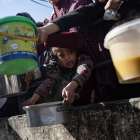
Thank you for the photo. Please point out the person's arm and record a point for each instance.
(43, 32)
(32, 100)
(84, 68)
(113, 4)
(46, 86)
(68, 92)
(82, 15)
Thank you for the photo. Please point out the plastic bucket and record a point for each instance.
(17, 56)
(124, 45)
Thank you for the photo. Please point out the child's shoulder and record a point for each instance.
(81, 56)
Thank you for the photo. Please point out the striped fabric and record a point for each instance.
(84, 69)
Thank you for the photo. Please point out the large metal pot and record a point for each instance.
(12, 85)
(47, 114)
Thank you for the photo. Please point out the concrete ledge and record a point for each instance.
(117, 120)
(6, 131)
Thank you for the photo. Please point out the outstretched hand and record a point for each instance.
(42, 35)
(68, 92)
(112, 4)
(32, 100)
(43, 32)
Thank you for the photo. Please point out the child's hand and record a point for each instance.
(68, 92)
(32, 100)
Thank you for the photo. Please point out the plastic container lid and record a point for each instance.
(17, 19)
(17, 66)
(120, 30)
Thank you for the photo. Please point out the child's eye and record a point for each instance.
(61, 55)
(71, 51)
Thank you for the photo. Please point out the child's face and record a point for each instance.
(67, 57)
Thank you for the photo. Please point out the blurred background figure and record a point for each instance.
(46, 21)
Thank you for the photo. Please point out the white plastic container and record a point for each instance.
(124, 45)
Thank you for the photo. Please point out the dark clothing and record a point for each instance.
(88, 14)
(40, 49)
(10, 107)
(63, 40)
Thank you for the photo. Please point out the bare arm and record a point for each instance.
(112, 4)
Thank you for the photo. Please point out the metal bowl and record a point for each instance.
(46, 114)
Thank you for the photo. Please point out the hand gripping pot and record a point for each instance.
(47, 114)
(17, 45)
(124, 45)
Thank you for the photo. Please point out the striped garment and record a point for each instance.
(83, 71)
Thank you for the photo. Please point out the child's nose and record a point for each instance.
(67, 57)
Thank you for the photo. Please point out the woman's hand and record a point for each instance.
(32, 100)
(112, 4)
(28, 78)
(42, 35)
(68, 92)
(43, 32)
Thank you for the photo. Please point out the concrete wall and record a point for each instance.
(119, 120)
(6, 131)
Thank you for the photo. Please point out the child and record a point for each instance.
(67, 60)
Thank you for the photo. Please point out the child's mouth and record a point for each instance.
(69, 63)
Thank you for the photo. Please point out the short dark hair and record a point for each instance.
(26, 15)
(39, 24)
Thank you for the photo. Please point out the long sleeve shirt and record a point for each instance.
(83, 71)
(88, 14)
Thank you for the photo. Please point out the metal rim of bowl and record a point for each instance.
(42, 105)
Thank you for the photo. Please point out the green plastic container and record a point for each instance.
(17, 56)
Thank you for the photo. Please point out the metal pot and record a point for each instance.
(12, 85)
(47, 114)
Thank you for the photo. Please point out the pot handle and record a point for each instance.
(64, 106)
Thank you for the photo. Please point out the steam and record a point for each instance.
(131, 15)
